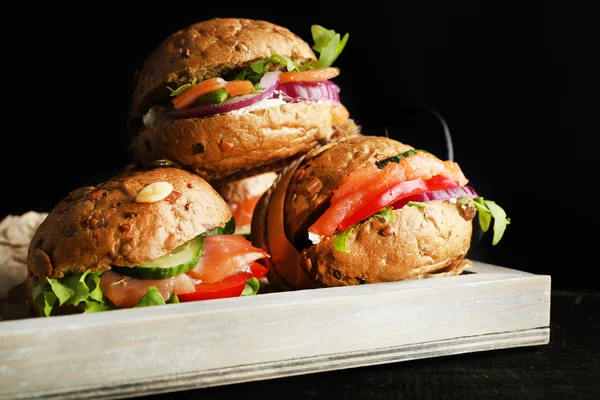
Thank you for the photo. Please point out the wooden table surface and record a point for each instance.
(567, 368)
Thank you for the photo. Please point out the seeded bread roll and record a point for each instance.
(209, 49)
(135, 217)
(419, 243)
(264, 136)
(232, 145)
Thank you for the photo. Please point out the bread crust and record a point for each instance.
(211, 48)
(227, 144)
(421, 241)
(324, 170)
(96, 227)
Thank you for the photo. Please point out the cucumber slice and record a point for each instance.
(182, 259)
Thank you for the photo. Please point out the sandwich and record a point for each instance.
(230, 98)
(242, 195)
(144, 237)
(369, 209)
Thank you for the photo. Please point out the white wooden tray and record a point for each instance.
(134, 352)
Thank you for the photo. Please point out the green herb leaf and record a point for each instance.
(383, 163)
(151, 298)
(484, 214)
(386, 213)
(487, 210)
(174, 299)
(252, 286)
(257, 69)
(182, 88)
(229, 228)
(500, 220)
(284, 61)
(417, 204)
(340, 241)
(328, 44)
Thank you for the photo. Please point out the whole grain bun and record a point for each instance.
(235, 146)
(96, 227)
(421, 242)
(209, 49)
(262, 137)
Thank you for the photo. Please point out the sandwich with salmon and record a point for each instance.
(242, 195)
(230, 98)
(369, 209)
(145, 237)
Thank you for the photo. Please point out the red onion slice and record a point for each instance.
(312, 91)
(444, 194)
(268, 83)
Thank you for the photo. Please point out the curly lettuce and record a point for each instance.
(78, 289)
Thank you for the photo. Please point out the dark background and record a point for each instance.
(514, 85)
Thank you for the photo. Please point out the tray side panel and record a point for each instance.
(83, 358)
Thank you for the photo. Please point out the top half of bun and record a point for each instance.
(96, 227)
(324, 169)
(212, 48)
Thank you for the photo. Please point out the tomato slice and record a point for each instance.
(384, 199)
(258, 270)
(313, 75)
(396, 193)
(440, 182)
(232, 286)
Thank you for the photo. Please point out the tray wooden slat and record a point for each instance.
(181, 346)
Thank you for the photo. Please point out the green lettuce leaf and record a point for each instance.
(174, 299)
(328, 44)
(93, 306)
(151, 298)
(72, 289)
(387, 213)
(44, 297)
(93, 283)
(252, 286)
(61, 288)
(340, 241)
(417, 204)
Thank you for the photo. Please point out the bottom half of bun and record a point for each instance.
(420, 243)
(238, 143)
